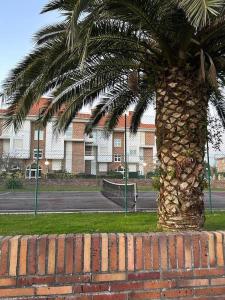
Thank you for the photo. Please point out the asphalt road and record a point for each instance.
(83, 201)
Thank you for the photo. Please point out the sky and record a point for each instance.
(19, 20)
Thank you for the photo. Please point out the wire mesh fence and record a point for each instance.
(73, 182)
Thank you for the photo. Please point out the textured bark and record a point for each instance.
(181, 120)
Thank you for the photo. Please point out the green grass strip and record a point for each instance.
(91, 223)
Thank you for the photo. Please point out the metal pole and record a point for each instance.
(37, 171)
(209, 178)
(125, 192)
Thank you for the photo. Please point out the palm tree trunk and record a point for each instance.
(181, 123)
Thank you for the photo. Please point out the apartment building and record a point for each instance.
(74, 151)
(220, 165)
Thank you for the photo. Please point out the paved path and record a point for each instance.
(83, 201)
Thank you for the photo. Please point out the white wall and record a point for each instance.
(54, 147)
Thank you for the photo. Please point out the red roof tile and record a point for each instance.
(44, 102)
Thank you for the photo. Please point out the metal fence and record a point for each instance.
(73, 183)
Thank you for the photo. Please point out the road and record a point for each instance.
(83, 201)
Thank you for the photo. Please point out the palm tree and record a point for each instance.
(168, 52)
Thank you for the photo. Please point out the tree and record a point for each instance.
(133, 52)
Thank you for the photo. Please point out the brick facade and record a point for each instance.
(149, 138)
(78, 163)
(78, 130)
(113, 266)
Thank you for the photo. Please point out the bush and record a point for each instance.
(133, 175)
(113, 174)
(60, 175)
(13, 180)
(156, 183)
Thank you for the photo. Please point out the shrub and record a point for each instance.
(156, 183)
(13, 180)
(113, 174)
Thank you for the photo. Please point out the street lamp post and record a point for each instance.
(144, 165)
(46, 164)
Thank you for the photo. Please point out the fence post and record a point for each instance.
(125, 191)
(209, 177)
(37, 170)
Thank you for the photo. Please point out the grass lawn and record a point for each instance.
(91, 223)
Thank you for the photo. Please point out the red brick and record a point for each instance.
(192, 282)
(110, 297)
(210, 291)
(122, 253)
(177, 274)
(87, 253)
(180, 252)
(144, 295)
(73, 279)
(60, 254)
(139, 253)
(204, 250)
(109, 277)
(69, 255)
(31, 265)
(196, 250)
(177, 293)
(212, 253)
(144, 276)
(23, 256)
(42, 242)
(13, 257)
(218, 281)
(126, 286)
(16, 292)
(187, 249)
(31, 280)
(51, 254)
(159, 284)
(53, 290)
(163, 251)
(95, 253)
(113, 257)
(219, 249)
(83, 297)
(209, 272)
(7, 282)
(155, 252)
(130, 252)
(172, 251)
(4, 256)
(78, 266)
(93, 288)
(147, 252)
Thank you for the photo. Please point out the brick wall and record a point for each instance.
(149, 138)
(113, 266)
(78, 163)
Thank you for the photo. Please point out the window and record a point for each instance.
(41, 135)
(31, 171)
(117, 158)
(117, 142)
(36, 153)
